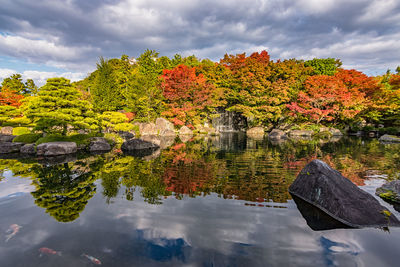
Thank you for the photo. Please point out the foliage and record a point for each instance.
(28, 138)
(20, 130)
(79, 139)
(58, 105)
(116, 121)
(324, 66)
(332, 98)
(188, 96)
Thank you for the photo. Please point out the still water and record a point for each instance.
(220, 201)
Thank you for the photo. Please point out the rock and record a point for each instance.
(301, 133)
(99, 144)
(56, 148)
(164, 127)
(255, 132)
(126, 135)
(7, 130)
(138, 147)
(28, 149)
(335, 132)
(146, 128)
(276, 134)
(326, 189)
(184, 130)
(389, 139)
(206, 129)
(185, 137)
(371, 134)
(6, 138)
(390, 191)
(8, 147)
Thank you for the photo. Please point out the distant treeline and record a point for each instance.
(188, 91)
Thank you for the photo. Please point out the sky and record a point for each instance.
(49, 38)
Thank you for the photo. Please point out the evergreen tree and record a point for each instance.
(106, 94)
(58, 105)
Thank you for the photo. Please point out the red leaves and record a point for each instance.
(186, 94)
(10, 97)
(331, 97)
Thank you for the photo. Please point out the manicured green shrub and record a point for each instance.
(20, 130)
(27, 138)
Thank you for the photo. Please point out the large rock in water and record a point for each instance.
(387, 139)
(7, 147)
(390, 191)
(326, 189)
(56, 148)
(138, 147)
(99, 144)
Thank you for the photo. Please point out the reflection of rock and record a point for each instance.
(390, 191)
(165, 127)
(56, 160)
(7, 147)
(56, 148)
(389, 139)
(99, 144)
(185, 134)
(230, 141)
(6, 138)
(163, 141)
(139, 147)
(28, 149)
(337, 196)
(316, 218)
(255, 132)
(154, 155)
(7, 130)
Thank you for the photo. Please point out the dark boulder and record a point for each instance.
(126, 135)
(277, 134)
(390, 192)
(56, 148)
(28, 149)
(99, 144)
(7, 147)
(138, 147)
(326, 189)
(389, 139)
(6, 138)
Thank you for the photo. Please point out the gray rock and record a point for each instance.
(7, 130)
(28, 149)
(8, 147)
(301, 133)
(255, 132)
(325, 188)
(389, 139)
(335, 132)
(6, 138)
(148, 129)
(56, 148)
(164, 127)
(126, 135)
(276, 134)
(99, 144)
(184, 130)
(391, 191)
(138, 147)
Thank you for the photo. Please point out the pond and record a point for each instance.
(212, 201)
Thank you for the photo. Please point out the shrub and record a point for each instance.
(79, 139)
(21, 130)
(27, 138)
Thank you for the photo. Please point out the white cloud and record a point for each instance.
(4, 73)
(40, 77)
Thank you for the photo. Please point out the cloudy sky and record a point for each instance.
(45, 38)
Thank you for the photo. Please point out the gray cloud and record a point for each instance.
(72, 34)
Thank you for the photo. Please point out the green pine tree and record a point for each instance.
(59, 105)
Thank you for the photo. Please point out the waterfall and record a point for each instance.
(229, 121)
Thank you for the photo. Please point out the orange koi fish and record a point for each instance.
(49, 251)
(13, 230)
(92, 259)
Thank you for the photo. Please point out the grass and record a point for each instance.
(21, 131)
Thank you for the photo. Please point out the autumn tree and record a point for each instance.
(337, 98)
(59, 105)
(187, 95)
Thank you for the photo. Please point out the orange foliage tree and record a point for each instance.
(334, 98)
(188, 96)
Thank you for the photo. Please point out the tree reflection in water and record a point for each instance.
(255, 171)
